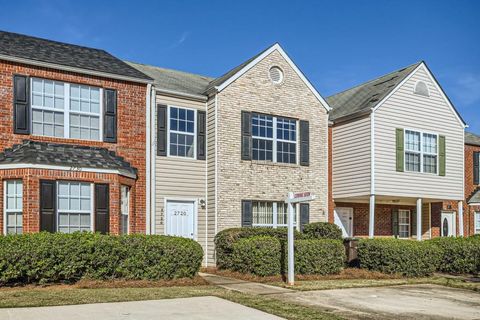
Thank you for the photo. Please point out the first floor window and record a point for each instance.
(477, 222)
(125, 209)
(404, 223)
(271, 214)
(74, 206)
(13, 206)
(182, 132)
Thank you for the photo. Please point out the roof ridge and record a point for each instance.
(169, 69)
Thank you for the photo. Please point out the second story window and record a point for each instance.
(66, 110)
(181, 132)
(274, 139)
(421, 152)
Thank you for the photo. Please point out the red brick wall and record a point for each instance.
(131, 138)
(470, 187)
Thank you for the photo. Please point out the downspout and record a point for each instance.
(216, 164)
(148, 151)
(153, 154)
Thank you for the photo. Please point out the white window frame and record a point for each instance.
(92, 209)
(477, 222)
(275, 223)
(409, 224)
(123, 187)
(194, 134)
(7, 211)
(421, 152)
(275, 139)
(66, 109)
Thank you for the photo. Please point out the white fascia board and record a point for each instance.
(73, 69)
(63, 168)
(197, 97)
(290, 62)
(430, 76)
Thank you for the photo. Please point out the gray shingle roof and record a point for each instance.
(174, 80)
(475, 197)
(360, 99)
(31, 48)
(471, 138)
(34, 152)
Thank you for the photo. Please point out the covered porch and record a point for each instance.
(398, 217)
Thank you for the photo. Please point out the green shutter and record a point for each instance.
(441, 155)
(395, 222)
(400, 150)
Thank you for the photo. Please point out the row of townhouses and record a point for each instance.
(91, 142)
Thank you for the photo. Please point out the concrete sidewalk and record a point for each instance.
(199, 308)
(243, 286)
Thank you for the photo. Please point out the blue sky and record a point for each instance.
(337, 44)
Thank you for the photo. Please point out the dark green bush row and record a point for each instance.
(322, 230)
(459, 255)
(259, 255)
(409, 258)
(323, 256)
(57, 257)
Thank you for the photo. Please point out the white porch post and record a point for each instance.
(419, 219)
(460, 218)
(371, 222)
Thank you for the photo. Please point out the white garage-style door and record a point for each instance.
(180, 218)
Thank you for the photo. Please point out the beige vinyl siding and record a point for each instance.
(211, 177)
(351, 159)
(180, 178)
(407, 110)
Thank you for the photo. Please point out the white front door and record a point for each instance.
(343, 217)
(448, 224)
(180, 219)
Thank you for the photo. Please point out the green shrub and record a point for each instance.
(323, 256)
(322, 230)
(258, 255)
(459, 255)
(409, 258)
(57, 257)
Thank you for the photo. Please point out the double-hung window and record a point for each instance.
(13, 203)
(65, 110)
(274, 139)
(421, 152)
(181, 132)
(403, 223)
(74, 206)
(124, 209)
(477, 222)
(271, 214)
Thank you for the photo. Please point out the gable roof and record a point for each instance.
(173, 80)
(45, 153)
(474, 197)
(472, 139)
(362, 98)
(59, 55)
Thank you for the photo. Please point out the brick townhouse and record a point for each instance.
(72, 139)
(472, 184)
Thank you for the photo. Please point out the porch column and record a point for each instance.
(371, 221)
(419, 219)
(460, 218)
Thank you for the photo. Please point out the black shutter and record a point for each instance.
(395, 228)
(48, 196)
(21, 105)
(102, 217)
(413, 222)
(110, 116)
(304, 215)
(201, 135)
(246, 135)
(304, 143)
(247, 214)
(476, 168)
(161, 130)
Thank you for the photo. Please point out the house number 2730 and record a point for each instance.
(180, 213)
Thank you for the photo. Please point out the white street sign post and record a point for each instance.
(294, 198)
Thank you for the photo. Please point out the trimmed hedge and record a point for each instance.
(458, 255)
(57, 257)
(409, 258)
(322, 230)
(259, 255)
(323, 256)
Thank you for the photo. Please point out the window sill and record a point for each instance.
(272, 164)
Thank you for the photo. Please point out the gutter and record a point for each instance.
(197, 97)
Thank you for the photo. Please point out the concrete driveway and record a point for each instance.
(397, 302)
(199, 308)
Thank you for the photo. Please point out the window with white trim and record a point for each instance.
(477, 222)
(274, 139)
(421, 152)
(271, 214)
(403, 223)
(13, 206)
(64, 110)
(181, 132)
(124, 209)
(74, 203)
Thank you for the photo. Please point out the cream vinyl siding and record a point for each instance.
(407, 110)
(351, 159)
(180, 178)
(211, 177)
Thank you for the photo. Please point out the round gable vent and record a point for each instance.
(276, 75)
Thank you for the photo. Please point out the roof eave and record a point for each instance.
(179, 94)
(352, 116)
